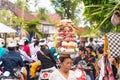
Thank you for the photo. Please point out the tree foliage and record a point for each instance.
(16, 22)
(31, 26)
(100, 12)
(23, 5)
(66, 8)
(11, 20)
(42, 14)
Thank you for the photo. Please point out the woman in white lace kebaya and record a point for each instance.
(64, 73)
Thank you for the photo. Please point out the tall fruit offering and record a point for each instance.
(66, 37)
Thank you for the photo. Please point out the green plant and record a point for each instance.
(100, 11)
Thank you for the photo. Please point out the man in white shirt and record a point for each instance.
(24, 56)
(32, 42)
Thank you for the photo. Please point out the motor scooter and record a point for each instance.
(6, 76)
(45, 74)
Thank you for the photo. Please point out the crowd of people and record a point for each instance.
(41, 54)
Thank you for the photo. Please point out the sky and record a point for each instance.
(42, 3)
(48, 5)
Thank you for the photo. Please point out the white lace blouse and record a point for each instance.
(56, 75)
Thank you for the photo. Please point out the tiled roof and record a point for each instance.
(55, 17)
(5, 4)
(23, 14)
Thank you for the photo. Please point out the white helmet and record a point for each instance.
(12, 44)
(33, 39)
(2, 42)
(24, 39)
(21, 42)
(42, 42)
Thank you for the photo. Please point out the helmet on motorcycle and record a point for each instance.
(42, 42)
(24, 39)
(21, 43)
(12, 44)
(33, 39)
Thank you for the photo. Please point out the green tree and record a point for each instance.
(22, 4)
(11, 20)
(25, 4)
(66, 8)
(100, 11)
(31, 27)
(16, 22)
(43, 14)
